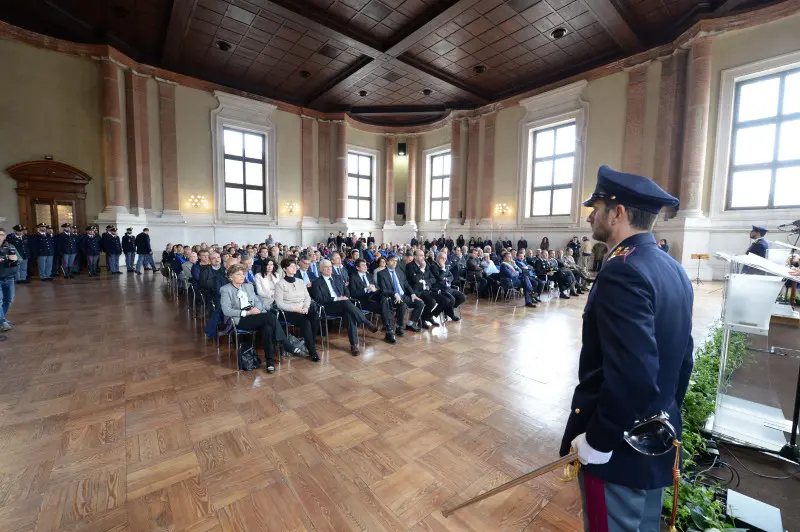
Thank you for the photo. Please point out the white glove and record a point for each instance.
(587, 454)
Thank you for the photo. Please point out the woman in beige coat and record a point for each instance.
(293, 299)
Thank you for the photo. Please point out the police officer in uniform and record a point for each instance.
(43, 248)
(67, 247)
(129, 248)
(636, 357)
(112, 247)
(56, 258)
(90, 245)
(19, 239)
(760, 245)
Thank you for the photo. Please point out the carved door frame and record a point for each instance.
(53, 182)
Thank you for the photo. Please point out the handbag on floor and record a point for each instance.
(295, 345)
(248, 358)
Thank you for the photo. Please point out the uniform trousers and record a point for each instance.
(611, 507)
(308, 325)
(22, 270)
(146, 259)
(45, 264)
(130, 260)
(350, 314)
(66, 263)
(112, 262)
(93, 262)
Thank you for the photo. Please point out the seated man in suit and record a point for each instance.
(331, 292)
(508, 270)
(529, 272)
(393, 285)
(339, 271)
(362, 287)
(422, 280)
(304, 272)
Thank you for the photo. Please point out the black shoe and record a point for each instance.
(354, 350)
(314, 357)
(372, 328)
(399, 331)
(563, 296)
(270, 369)
(138, 273)
(389, 338)
(424, 324)
(413, 328)
(530, 305)
(454, 318)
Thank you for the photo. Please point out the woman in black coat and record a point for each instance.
(545, 245)
(460, 241)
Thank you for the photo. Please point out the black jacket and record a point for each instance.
(143, 244)
(320, 292)
(211, 280)
(128, 243)
(416, 276)
(522, 243)
(386, 286)
(358, 288)
(443, 278)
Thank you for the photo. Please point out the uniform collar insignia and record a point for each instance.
(621, 252)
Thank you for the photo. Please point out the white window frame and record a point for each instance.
(251, 116)
(374, 203)
(724, 139)
(544, 111)
(427, 157)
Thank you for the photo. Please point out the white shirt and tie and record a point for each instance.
(364, 280)
(313, 268)
(397, 288)
(331, 289)
(304, 275)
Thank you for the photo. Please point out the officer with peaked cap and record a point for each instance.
(112, 247)
(635, 360)
(43, 248)
(67, 247)
(129, 248)
(90, 246)
(760, 245)
(19, 239)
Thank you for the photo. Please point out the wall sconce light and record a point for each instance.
(401, 149)
(502, 208)
(197, 201)
(291, 207)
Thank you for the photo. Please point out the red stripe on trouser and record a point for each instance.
(596, 511)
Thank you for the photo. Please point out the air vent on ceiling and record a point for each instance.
(392, 76)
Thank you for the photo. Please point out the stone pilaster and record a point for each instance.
(113, 160)
(324, 151)
(138, 143)
(487, 179)
(340, 176)
(473, 155)
(455, 171)
(411, 194)
(671, 97)
(634, 119)
(307, 170)
(169, 148)
(389, 203)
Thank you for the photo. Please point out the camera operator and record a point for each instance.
(8, 271)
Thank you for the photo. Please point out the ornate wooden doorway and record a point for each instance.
(50, 192)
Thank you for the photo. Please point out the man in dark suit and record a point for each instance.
(370, 239)
(414, 241)
(330, 292)
(363, 288)
(636, 357)
(421, 279)
(304, 272)
(522, 243)
(393, 284)
(339, 269)
(331, 239)
(145, 251)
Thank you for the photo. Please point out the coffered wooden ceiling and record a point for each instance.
(373, 57)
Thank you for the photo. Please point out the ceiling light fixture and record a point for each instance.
(426, 92)
(558, 33)
(362, 93)
(222, 45)
(479, 69)
(305, 74)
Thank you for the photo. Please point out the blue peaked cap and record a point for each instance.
(630, 190)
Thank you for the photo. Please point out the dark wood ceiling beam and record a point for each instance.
(610, 18)
(350, 76)
(428, 27)
(181, 15)
(425, 73)
(727, 7)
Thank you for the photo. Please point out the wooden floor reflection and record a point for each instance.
(116, 414)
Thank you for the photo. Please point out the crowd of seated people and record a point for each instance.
(411, 287)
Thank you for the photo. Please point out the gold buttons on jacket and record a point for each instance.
(577, 410)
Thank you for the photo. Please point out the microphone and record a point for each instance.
(795, 223)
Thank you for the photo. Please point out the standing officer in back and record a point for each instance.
(112, 247)
(67, 247)
(90, 246)
(760, 245)
(43, 248)
(19, 239)
(129, 249)
(636, 357)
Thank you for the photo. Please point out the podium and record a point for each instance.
(754, 397)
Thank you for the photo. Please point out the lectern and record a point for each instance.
(753, 402)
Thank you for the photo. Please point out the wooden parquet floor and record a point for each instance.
(116, 414)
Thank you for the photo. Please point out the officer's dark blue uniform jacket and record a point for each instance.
(90, 245)
(111, 244)
(636, 359)
(128, 243)
(759, 247)
(21, 243)
(66, 244)
(42, 245)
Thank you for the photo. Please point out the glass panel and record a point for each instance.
(541, 203)
(233, 171)
(352, 186)
(446, 187)
(352, 163)
(750, 189)
(562, 199)
(758, 100)
(446, 164)
(365, 165)
(436, 210)
(65, 214)
(565, 140)
(544, 143)
(445, 210)
(564, 171)
(755, 145)
(254, 174)
(234, 199)
(790, 141)
(543, 174)
(364, 209)
(255, 201)
(436, 188)
(436, 165)
(352, 208)
(254, 146)
(364, 186)
(233, 142)
(791, 94)
(43, 214)
(787, 186)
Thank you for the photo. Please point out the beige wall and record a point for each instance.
(193, 131)
(506, 159)
(289, 129)
(49, 105)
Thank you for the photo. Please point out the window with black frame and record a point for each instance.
(245, 172)
(360, 169)
(439, 171)
(764, 169)
(552, 169)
